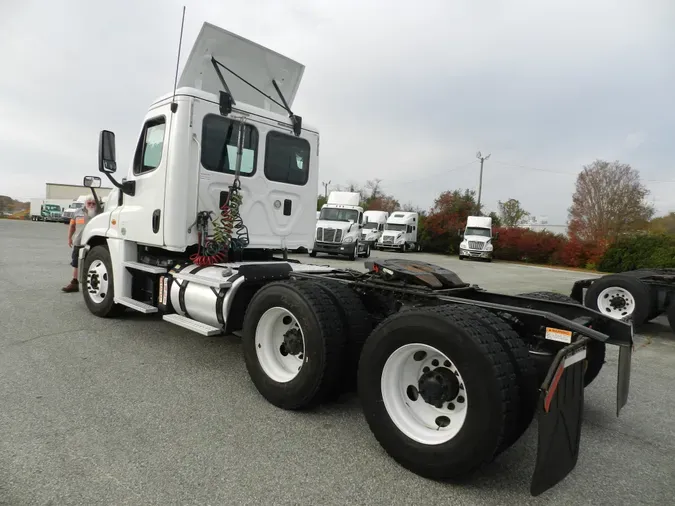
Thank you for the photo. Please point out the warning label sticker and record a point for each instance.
(562, 336)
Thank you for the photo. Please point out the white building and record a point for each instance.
(540, 224)
(72, 191)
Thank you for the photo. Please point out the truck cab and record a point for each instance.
(373, 226)
(400, 232)
(338, 229)
(477, 238)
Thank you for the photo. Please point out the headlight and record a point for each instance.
(488, 247)
(464, 245)
(348, 239)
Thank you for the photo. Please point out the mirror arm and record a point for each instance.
(126, 187)
(98, 205)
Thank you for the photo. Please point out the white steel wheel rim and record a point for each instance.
(418, 419)
(98, 281)
(270, 344)
(612, 294)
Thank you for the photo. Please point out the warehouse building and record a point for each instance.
(72, 191)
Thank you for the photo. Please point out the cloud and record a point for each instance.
(407, 95)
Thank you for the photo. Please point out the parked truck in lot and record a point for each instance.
(477, 238)
(400, 232)
(373, 227)
(46, 210)
(338, 229)
(222, 181)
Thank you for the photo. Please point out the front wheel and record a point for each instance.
(435, 387)
(99, 288)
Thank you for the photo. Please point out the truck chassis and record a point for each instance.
(449, 375)
(638, 296)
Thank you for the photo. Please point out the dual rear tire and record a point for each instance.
(443, 389)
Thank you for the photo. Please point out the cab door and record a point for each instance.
(140, 219)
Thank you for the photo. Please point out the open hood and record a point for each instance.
(253, 62)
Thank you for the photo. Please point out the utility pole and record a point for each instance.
(325, 189)
(480, 181)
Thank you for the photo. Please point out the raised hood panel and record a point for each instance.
(255, 63)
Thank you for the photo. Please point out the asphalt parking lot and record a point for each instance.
(139, 411)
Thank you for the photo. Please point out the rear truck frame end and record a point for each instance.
(638, 296)
(444, 370)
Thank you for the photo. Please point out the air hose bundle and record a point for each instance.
(214, 249)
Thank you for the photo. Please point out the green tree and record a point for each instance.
(512, 213)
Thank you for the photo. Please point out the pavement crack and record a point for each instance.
(54, 334)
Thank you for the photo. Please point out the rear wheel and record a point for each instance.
(293, 341)
(357, 324)
(621, 297)
(595, 353)
(435, 385)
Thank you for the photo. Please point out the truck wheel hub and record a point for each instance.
(438, 386)
(292, 344)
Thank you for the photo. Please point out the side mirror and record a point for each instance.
(106, 152)
(92, 182)
(496, 235)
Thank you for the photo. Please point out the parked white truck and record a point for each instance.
(338, 229)
(47, 209)
(400, 232)
(222, 176)
(477, 238)
(373, 226)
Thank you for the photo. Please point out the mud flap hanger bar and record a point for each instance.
(227, 103)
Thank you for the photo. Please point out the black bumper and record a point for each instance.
(334, 248)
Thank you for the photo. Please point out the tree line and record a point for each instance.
(609, 206)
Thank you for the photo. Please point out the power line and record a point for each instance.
(435, 174)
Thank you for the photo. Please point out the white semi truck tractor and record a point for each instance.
(338, 229)
(477, 238)
(223, 179)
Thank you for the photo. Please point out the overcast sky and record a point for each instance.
(401, 93)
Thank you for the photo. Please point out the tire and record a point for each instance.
(357, 324)
(627, 286)
(322, 346)
(595, 353)
(367, 253)
(527, 396)
(99, 290)
(485, 376)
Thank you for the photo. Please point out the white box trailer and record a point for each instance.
(191, 232)
(47, 209)
(400, 232)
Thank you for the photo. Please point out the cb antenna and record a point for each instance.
(174, 105)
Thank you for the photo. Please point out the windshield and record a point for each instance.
(399, 227)
(76, 205)
(335, 214)
(371, 225)
(52, 207)
(485, 232)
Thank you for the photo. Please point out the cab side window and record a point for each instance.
(150, 145)
(219, 146)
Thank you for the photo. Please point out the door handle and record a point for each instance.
(155, 220)
(287, 207)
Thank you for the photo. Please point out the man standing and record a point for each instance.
(77, 224)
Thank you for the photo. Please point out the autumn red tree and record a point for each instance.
(610, 200)
(446, 218)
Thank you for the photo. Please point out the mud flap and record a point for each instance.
(559, 417)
